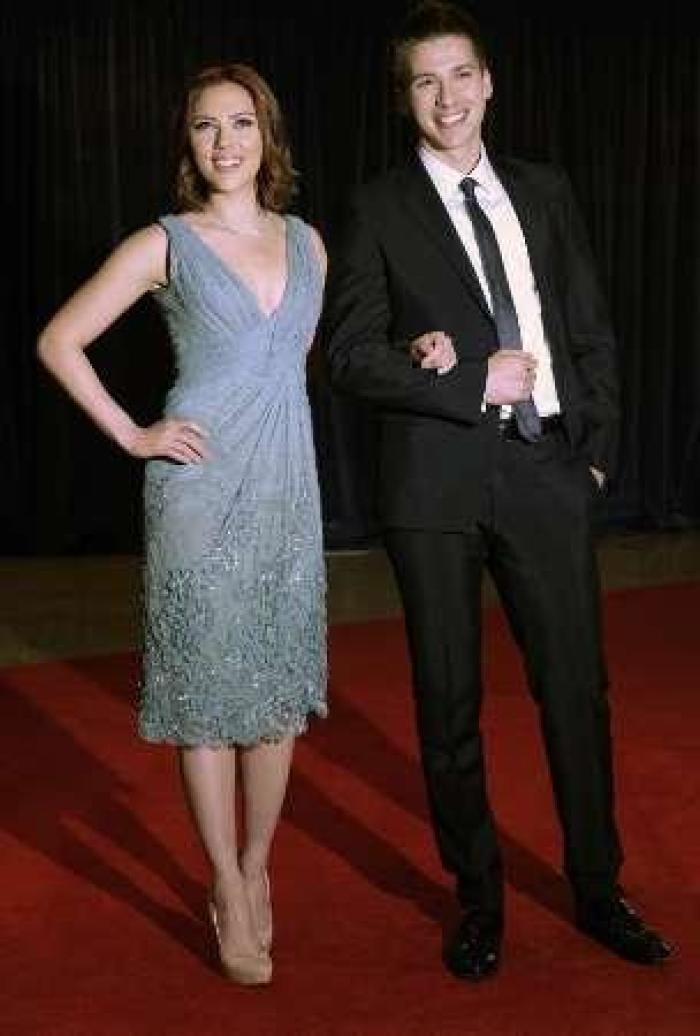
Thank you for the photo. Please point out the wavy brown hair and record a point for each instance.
(275, 181)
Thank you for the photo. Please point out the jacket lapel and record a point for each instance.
(424, 204)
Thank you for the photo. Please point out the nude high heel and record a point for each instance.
(263, 925)
(246, 969)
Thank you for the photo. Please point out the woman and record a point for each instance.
(234, 653)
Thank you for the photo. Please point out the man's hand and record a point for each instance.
(434, 351)
(510, 377)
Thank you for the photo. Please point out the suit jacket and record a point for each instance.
(399, 271)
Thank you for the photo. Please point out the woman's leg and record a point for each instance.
(265, 771)
(209, 779)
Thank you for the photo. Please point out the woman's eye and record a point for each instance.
(202, 124)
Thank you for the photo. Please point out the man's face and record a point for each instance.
(447, 92)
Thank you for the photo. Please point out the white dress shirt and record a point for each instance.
(493, 199)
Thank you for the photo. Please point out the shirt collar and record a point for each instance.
(447, 179)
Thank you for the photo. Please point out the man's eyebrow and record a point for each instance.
(468, 65)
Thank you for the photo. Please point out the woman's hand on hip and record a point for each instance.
(172, 437)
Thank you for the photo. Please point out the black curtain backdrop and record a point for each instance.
(87, 90)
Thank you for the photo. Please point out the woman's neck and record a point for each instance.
(238, 215)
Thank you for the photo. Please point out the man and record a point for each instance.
(464, 304)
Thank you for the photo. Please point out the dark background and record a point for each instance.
(87, 90)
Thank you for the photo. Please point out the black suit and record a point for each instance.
(455, 495)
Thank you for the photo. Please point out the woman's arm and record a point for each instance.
(135, 267)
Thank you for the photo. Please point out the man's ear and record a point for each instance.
(488, 83)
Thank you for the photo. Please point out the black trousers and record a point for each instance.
(535, 536)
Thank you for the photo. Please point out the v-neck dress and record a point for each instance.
(234, 587)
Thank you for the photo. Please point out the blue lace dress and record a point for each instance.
(234, 587)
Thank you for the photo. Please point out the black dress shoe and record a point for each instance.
(613, 923)
(474, 951)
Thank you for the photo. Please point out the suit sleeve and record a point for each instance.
(365, 358)
(592, 342)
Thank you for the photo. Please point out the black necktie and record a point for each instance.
(504, 315)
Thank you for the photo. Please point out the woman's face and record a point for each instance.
(225, 138)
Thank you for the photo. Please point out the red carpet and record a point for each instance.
(103, 882)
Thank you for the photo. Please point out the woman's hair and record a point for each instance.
(275, 181)
(426, 21)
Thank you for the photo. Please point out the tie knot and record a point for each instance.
(467, 186)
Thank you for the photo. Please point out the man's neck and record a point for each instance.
(462, 160)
